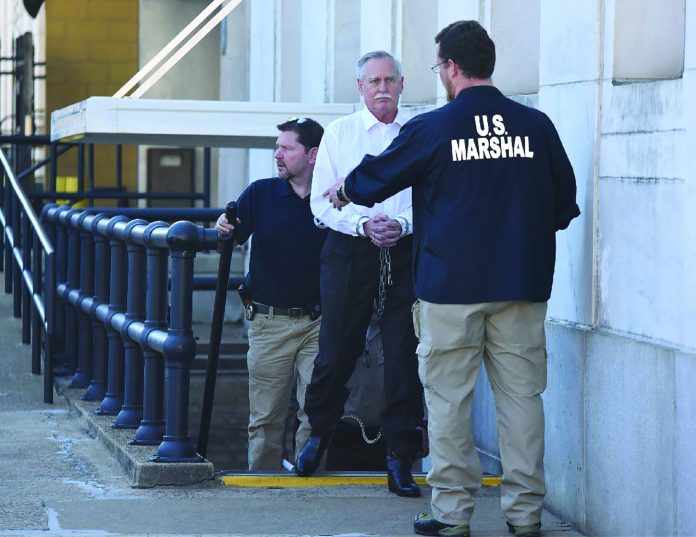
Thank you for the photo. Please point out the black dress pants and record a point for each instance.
(349, 287)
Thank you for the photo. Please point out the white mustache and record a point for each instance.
(383, 96)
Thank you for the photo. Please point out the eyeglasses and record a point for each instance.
(298, 120)
(436, 68)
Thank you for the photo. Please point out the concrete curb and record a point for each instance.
(135, 460)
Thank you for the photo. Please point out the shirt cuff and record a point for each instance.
(405, 228)
(359, 226)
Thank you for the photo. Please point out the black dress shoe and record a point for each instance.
(310, 455)
(400, 479)
(427, 524)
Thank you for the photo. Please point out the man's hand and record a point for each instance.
(382, 230)
(223, 226)
(331, 194)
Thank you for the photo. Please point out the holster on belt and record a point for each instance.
(245, 296)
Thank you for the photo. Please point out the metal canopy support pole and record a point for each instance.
(119, 167)
(90, 172)
(206, 176)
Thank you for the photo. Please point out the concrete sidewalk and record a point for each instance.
(58, 479)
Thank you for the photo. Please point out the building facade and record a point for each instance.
(618, 79)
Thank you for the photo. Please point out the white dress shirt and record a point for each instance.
(344, 144)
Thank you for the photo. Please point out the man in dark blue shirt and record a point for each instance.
(491, 186)
(283, 282)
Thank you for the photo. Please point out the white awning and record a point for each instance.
(172, 122)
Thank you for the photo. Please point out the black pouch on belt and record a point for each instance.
(245, 296)
(314, 312)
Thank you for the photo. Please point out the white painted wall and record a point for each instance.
(621, 328)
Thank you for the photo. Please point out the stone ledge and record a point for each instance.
(135, 460)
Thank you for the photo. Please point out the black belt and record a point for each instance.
(293, 313)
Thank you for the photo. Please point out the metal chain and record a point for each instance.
(362, 429)
(385, 278)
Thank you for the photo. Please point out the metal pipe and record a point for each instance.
(180, 347)
(73, 282)
(83, 375)
(38, 319)
(26, 294)
(131, 412)
(111, 405)
(16, 274)
(80, 168)
(206, 176)
(102, 259)
(119, 167)
(151, 428)
(49, 347)
(90, 172)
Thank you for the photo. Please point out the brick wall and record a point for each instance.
(92, 50)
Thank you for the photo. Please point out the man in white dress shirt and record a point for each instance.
(367, 256)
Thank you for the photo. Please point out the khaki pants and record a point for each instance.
(278, 346)
(509, 338)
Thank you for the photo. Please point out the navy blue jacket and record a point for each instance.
(491, 186)
(285, 244)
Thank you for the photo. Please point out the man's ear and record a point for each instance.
(360, 87)
(312, 155)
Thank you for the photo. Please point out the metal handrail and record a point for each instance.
(25, 240)
(26, 206)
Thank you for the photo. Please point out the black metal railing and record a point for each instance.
(105, 297)
(115, 304)
(30, 269)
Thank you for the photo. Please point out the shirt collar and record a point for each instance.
(284, 189)
(369, 120)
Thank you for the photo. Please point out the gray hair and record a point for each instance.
(375, 55)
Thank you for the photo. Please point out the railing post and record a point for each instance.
(50, 304)
(180, 346)
(102, 259)
(151, 428)
(7, 205)
(61, 361)
(83, 374)
(111, 405)
(36, 324)
(131, 413)
(72, 283)
(3, 194)
(16, 274)
(26, 265)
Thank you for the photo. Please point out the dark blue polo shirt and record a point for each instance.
(491, 186)
(285, 244)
